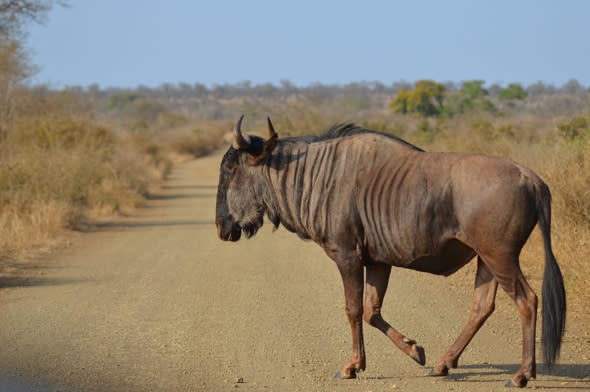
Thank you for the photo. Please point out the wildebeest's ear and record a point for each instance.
(267, 147)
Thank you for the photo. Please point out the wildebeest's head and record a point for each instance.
(239, 194)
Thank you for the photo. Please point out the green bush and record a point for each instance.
(120, 100)
(514, 91)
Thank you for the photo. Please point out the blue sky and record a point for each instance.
(126, 43)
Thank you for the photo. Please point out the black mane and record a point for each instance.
(344, 130)
(350, 129)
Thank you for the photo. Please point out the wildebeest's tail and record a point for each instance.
(554, 305)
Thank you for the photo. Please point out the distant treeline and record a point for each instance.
(172, 105)
(286, 88)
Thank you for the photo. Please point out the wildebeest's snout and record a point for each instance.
(228, 230)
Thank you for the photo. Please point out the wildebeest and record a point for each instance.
(374, 201)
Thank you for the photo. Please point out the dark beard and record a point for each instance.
(251, 228)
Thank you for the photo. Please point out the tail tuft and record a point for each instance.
(554, 311)
(553, 295)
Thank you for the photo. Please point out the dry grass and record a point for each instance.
(197, 138)
(44, 191)
(38, 228)
(60, 166)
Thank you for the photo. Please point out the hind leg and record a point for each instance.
(507, 271)
(376, 285)
(483, 306)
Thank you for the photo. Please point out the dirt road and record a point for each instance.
(155, 302)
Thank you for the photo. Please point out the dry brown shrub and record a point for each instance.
(38, 227)
(196, 139)
(58, 167)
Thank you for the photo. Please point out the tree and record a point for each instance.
(473, 89)
(472, 96)
(400, 102)
(120, 100)
(427, 99)
(539, 88)
(14, 63)
(14, 67)
(572, 87)
(13, 13)
(512, 92)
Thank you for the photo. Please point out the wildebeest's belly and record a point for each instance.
(452, 256)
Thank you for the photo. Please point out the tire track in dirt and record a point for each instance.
(155, 302)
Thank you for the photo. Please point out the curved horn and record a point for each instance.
(271, 129)
(241, 139)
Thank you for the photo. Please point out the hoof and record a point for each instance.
(512, 384)
(436, 373)
(417, 354)
(341, 376)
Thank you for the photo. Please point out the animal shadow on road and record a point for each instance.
(13, 274)
(162, 199)
(176, 196)
(567, 371)
(146, 224)
(177, 192)
(200, 187)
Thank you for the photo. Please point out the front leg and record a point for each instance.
(375, 288)
(351, 271)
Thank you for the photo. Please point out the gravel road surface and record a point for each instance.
(155, 302)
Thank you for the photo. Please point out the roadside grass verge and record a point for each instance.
(60, 168)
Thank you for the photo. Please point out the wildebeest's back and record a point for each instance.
(422, 209)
